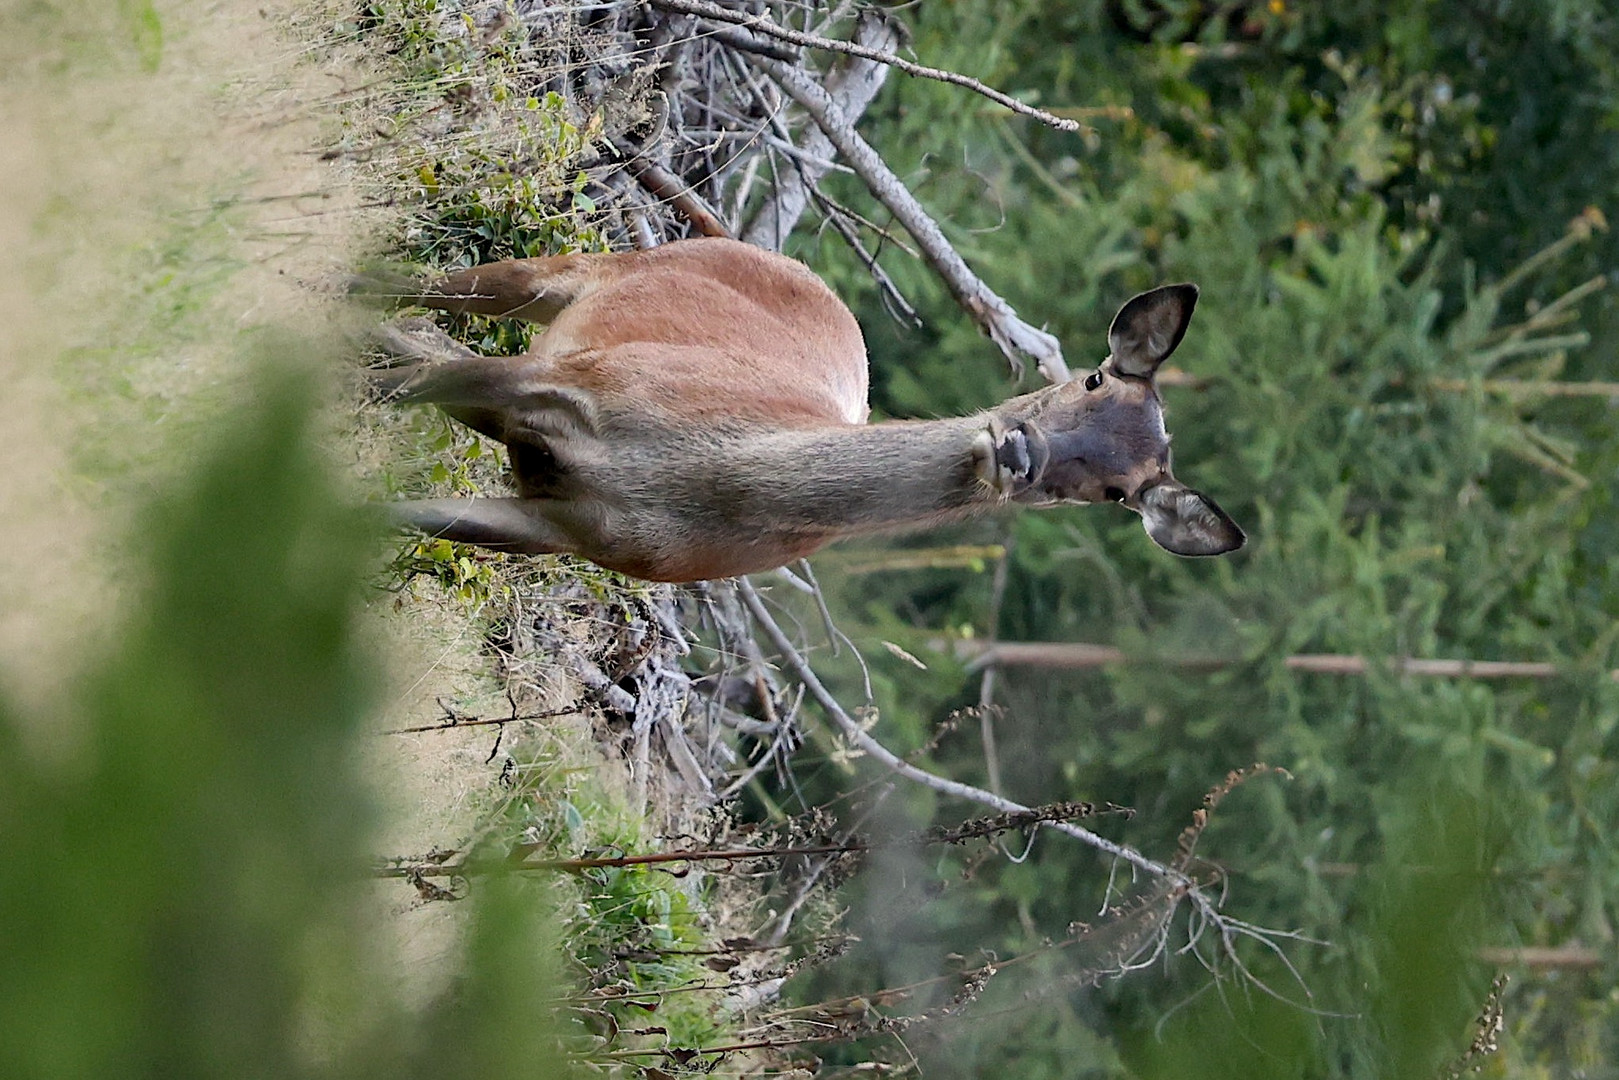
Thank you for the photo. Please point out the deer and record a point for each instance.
(698, 410)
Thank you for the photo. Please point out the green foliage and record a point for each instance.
(1381, 307)
(190, 827)
(492, 169)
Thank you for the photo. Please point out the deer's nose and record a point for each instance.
(1025, 452)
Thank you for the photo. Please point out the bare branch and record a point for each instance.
(665, 186)
(852, 86)
(857, 736)
(1012, 335)
(762, 25)
(1079, 655)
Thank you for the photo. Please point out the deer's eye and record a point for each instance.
(1113, 494)
(1093, 380)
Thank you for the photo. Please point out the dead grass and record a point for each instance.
(145, 232)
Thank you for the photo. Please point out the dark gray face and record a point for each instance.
(1099, 445)
(1102, 438)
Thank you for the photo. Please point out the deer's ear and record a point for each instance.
(1148, 327)
(1186, 522)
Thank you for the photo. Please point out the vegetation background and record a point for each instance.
(1404, 363)
(1396, 212)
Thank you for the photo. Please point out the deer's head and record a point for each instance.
(1101, 438)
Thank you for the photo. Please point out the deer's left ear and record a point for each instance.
(1148, 327)
(1186, 522)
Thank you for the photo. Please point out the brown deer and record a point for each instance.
(698, 411)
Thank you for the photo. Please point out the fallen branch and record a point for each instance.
(852, 86)
(1078, 656)
(1529, 388)
(453, 722)
(857, 736)
(441, 864)
(1542, 958)
(666, 187)
(1014, 337)
(760, 24)
(1173, 882)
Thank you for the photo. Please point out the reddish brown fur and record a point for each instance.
(652, 323)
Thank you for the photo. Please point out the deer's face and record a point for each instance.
(1101, 438)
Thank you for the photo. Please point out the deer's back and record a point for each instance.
(711, 329)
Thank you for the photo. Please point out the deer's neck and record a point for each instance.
(852, 479)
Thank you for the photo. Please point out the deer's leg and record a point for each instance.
(496, 383)
(418, 340)
(517, 525)
(492, 395)
(424, 345)
(532, 289)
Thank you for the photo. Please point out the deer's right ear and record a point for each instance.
(1149, 327)
(1187, 522)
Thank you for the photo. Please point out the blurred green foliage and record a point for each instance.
(187, 835)
(1391, 209)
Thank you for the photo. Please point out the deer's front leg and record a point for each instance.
(524, 526)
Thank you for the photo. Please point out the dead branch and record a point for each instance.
(856, 735)
(666, 187)
(447, 864)
(1543, 958)
(1079, 656)
(453, 722)
(762, 25)
(994, 314)
(852, 86)
(1530, 388)
(1012, 335)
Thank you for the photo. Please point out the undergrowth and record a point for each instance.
(473, 169)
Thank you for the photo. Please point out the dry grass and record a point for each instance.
(138, 256)
(158, 220)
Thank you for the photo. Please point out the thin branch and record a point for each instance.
(1012, 335)
(856, 735)
(1079, 655)
(517, 858)
(894, 301)
(797, 37)
(665, 186)
(452, 722)
(986, 687)
(1560, 958)
(1528, 388)
(852, 86)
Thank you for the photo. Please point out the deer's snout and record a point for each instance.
(1086, 464)
(1024, 454)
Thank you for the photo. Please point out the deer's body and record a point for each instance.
(698, 411)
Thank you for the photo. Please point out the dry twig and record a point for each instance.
(764, 26)
(1012, 335)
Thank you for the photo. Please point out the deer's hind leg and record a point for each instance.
(531, 289)
(514, 389)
